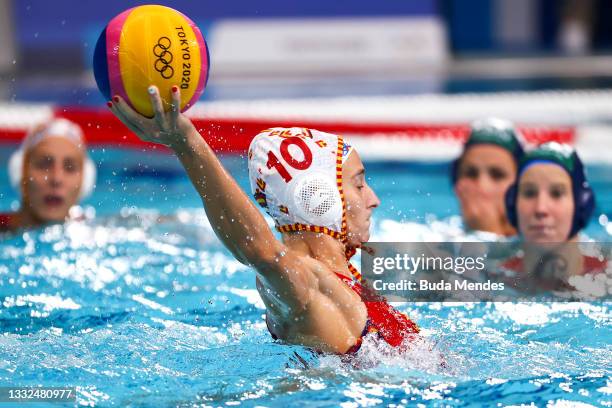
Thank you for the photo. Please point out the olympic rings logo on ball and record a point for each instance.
(164, 57)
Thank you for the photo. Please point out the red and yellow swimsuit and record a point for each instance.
(391, 325)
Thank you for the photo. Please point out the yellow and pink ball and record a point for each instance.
(151, 45)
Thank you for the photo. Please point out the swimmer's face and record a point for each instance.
(493, 169)
(359, 198)
(545, 204)
(52, 178)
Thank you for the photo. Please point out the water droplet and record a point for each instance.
(603, 220)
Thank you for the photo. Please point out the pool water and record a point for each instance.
(140, 311)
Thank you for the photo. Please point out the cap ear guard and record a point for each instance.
(585, 205)
(584, 197)
(316, 199)
(15, 170)
(15, 167)
(89, 178)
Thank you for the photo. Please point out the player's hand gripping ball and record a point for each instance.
(151, 45)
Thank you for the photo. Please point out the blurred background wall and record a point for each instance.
(285, 49)
(272, 36)
(320, 35)
(7, 44)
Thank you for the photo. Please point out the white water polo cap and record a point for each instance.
(296, 177)
(55, 128)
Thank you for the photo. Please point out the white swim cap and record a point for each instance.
(56, 128)
(296, 176)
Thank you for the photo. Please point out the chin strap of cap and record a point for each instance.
(349, 252)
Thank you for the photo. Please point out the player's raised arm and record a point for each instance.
(234, 218)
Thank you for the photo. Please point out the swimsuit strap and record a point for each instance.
(390, 324)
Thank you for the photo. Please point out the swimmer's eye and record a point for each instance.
(44, 163)
(360, 181)
(558, 192)
(471, 172)
(497, 174)
(528, 192)
(70, 166)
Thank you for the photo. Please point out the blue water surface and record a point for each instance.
(135, 310)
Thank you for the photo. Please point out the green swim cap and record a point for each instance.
(493, 131)
(498, 132)
(561, 154)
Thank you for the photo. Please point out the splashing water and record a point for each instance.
(135, 309)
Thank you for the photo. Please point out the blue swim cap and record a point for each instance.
(494, 131)
(566, 157)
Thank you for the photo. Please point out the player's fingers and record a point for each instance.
(158, 110)
(176, 106)
(120, 113)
